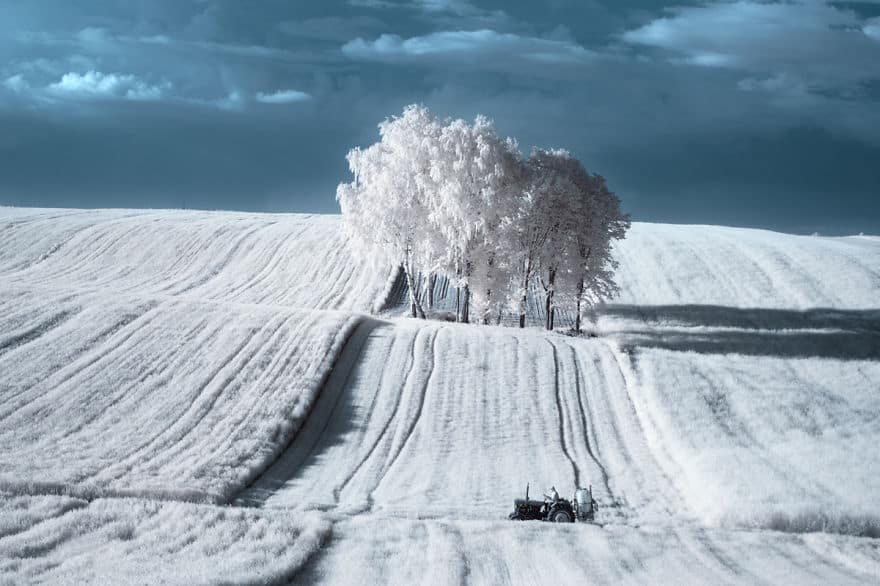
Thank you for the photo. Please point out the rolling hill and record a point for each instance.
(165, 370)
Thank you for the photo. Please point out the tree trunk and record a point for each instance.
(465, 305)
(525, 296)
(431, 279)
(413, 294)
(548, 299)
(577, 318)
(487, 313)
(466, 301)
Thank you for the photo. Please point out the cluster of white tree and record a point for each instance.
(445, 197)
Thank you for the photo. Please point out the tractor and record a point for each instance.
(555, 509)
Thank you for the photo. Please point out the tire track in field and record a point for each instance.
(415, 421)
(99, 243)
(310, 436)
(109, 472)
(157, 366)
(283, 347)
(561, 431)
(87, 344)
(672, 495)
(197, 406)
(592, 450)
(16, 341)
(698, 542)
(269, 266)
(106, 349)
(350, 334)
(215, 273)
(394, 412)
(337, 491)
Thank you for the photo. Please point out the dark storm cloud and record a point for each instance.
(759, 113)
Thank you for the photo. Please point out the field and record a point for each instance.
(222, 397)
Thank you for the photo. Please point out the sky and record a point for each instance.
(746, 113)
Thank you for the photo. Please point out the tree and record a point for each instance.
(603, 223)
(384, 211)
(455, 199)
(581, 218)
(476, 172)
(525, 232)
(551, 180)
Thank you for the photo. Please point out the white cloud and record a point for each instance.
(373, 4)
(451, 12)
(484, 44)
(461, 7)
(283, 97)
(821, 45)
(95, 84)
(872, 28)
(234, 100)
(16, 83)
(93, 35)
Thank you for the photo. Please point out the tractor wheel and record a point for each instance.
(515, 517)
(560, 516)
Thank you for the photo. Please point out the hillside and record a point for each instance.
(731, 393)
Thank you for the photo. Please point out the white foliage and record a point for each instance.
(384, 208)
(455, 198)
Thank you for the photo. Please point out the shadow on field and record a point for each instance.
(327, 422)
(820, 333)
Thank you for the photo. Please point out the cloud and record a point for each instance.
(330, 28)
(452, 12)
(95, 84)
(824, 47)
(16, 83)
(283, 97)
(460, 7)
(234, 101)
(484, 44)
(777, 84)
(872, 28)
(374, 4)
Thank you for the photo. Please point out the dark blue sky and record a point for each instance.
(746, 113)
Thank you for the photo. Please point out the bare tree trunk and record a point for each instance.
(465, 305)
(487, 313)
(580, 294)
(548, 299)
(432, 278)
(413, 294)
(464, 317)
(525, 296)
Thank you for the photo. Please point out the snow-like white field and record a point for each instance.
(132, 397)
(406, 551)
(764, 441)
(727, 415)
(291, 260)
(663, 264)
(443, 420)
(133, 541)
